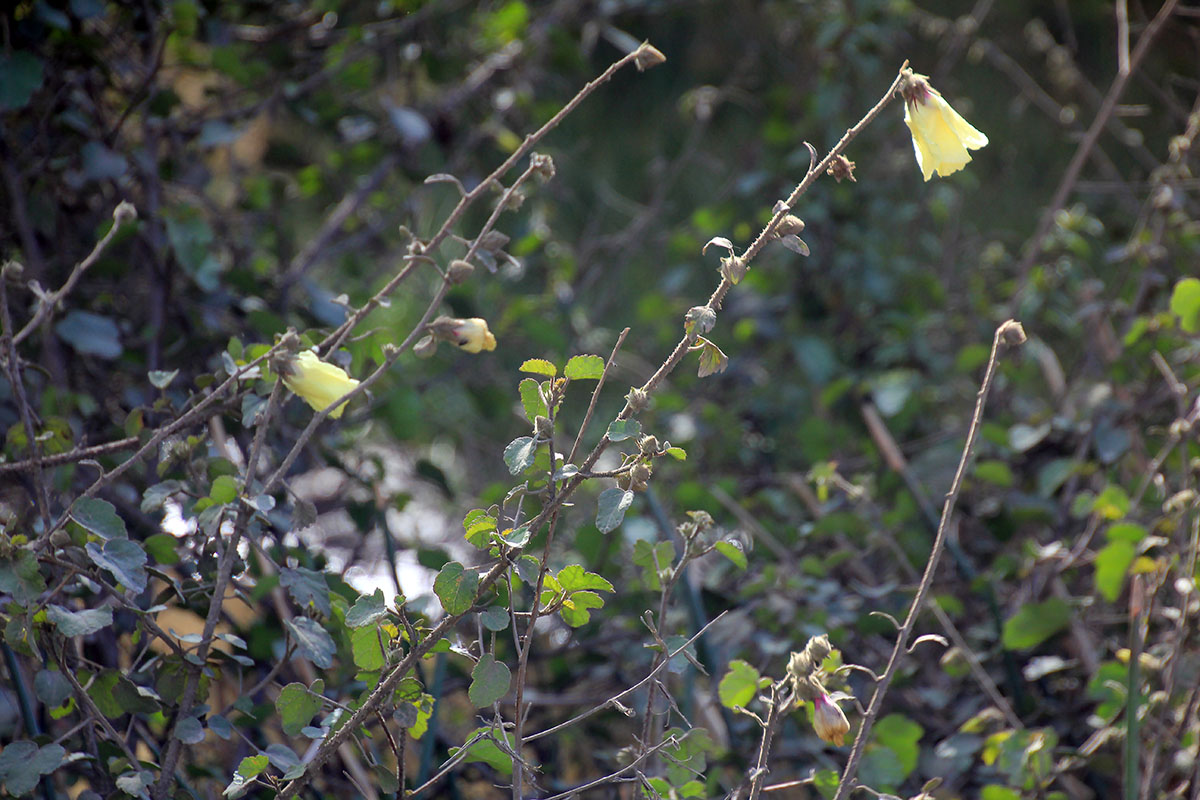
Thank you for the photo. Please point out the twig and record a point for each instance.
(587, 417)
(1009, 332)
(1034, 248)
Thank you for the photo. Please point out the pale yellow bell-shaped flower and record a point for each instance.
(318, 383)
(941, 137)
(472, 335)
(829, 721)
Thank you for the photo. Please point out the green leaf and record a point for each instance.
(51, 687)
(611, 508)
(485, 750)
(494, 618)
(21, 577)
(1034, 623)
(901, 735)
(312, 641)
(296, 706)
(622, 429)
(124, 558)
(520, 454)
(161, 379)
(733, 552)
(161, 547)
(539, 366)
(489, 681)
(21, 74)
(584, 368)
(455, 586)
(367, 648)
(1112, 503)
(136, 784)
(189, 731)
(99, 517)
(23, 763)
(653, 558)
(712, 359)
(1112, 564)
(826, 782)
(90, 334)
(257, 765)
(79, 623)
(224, 490)
(368, 608)
(996, 792)
(577, 607)
(995, 472)
(531, 400)
(306, 586)
(1125, 532)
(1185, 304)
(677, 453)
(574, 578)
(739, 685)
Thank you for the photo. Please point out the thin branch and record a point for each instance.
(1009, 332)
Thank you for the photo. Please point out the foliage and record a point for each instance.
(291, 292)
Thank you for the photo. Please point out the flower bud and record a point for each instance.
(638, 399)
(842, 169)
(471, 335)
(459, 271)
(426, 347)
(647, 56)
(493, 241)
(623, 481)
(648, 444)
(543, 166)
(639, 477)
(828, 721)
(124, 212)
(542, 427)
(699, 319)
(733, 269)
(818, 649)
(800, 665)
(790, 224)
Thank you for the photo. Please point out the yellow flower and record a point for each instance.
(472, 335)
(317, 383)
(941, 138)
(828, 720)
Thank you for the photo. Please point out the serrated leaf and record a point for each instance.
(621, 429)
(296, 705)
(368, 608)
(733, 552)
(489, 681)
(161, 379)
(455, 586)
(21, 577)
(719, 241)
(739, 685)
(124, 558)
(539, 366)
(712, 359)
(312, 641)
(79, 623)
(256, 765)
(577, 607)
(479, 526)
(574, 578)
(99, 517)
(584, 368)
(520, 454)
(23, 763)
(306, 586)
(367, 649)
(531, 400)
(611, 507)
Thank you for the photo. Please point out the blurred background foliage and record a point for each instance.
(277, 156)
